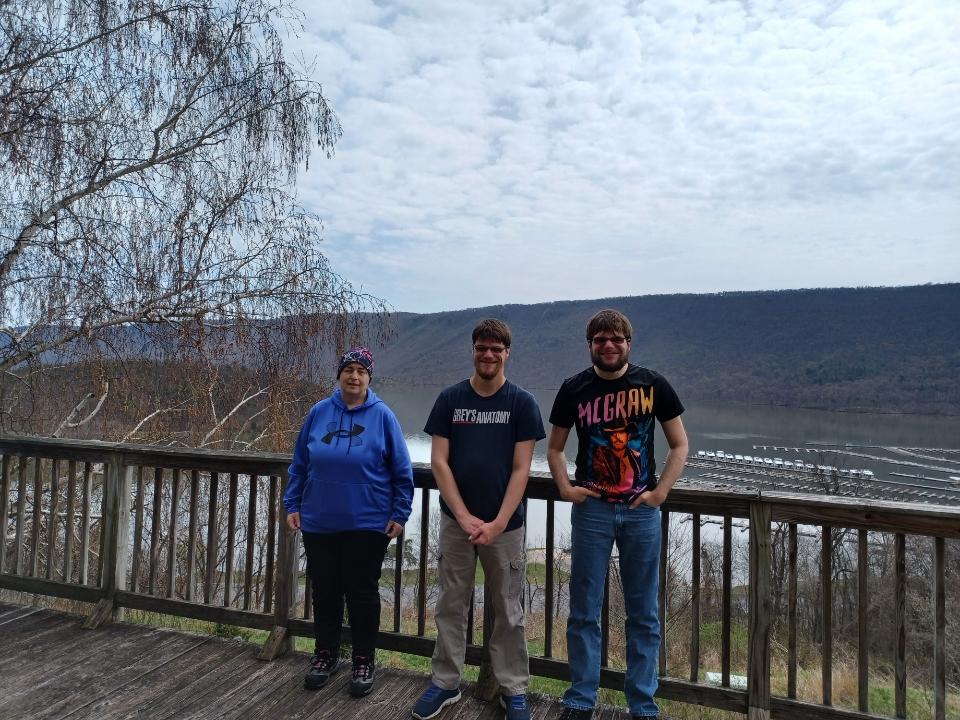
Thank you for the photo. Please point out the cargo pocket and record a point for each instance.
(439, 578)
(518, 568)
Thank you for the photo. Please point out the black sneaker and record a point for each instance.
(570, 713)
(323, 665)
(363, 674)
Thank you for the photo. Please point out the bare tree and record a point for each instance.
(148, 151)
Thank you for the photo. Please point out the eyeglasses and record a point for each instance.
(601, 340)
(484, 349)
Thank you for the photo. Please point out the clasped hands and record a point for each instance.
(478, 531)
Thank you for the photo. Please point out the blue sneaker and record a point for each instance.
(433, 700)
(515, 706)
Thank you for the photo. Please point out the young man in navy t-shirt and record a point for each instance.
(616, 496)
(483, 431)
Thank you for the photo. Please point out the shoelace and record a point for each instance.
(322, 661)
(362, 668)
(432, 693)
(518, 702)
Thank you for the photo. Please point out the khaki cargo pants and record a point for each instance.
(504, 567)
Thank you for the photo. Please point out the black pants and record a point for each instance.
(346, 565)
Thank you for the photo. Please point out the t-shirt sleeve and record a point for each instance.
(563, 413)
(441, 417)
(667, 405)
(529, 422)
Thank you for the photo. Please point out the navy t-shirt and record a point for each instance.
(483, 433)
(615, 423)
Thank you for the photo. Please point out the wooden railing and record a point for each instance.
(201, 534)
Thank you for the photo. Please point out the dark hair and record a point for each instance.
(609, 321)
(492, 329)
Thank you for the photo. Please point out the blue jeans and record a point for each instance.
(596, 525)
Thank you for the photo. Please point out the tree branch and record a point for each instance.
(68, 421)
(226, 417)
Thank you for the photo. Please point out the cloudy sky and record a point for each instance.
(531, 150)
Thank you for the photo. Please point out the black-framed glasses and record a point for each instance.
(601, 340)
(484, 349)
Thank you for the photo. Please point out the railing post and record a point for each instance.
(758, 658)
(939, 630)
(4, 501)
(280, 641)
(116, 531)
(900, 625)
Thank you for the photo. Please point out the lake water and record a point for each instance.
(735, 429)
(732, 428)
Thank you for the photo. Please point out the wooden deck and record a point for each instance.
(51, 668)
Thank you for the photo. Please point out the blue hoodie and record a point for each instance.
(351, 469)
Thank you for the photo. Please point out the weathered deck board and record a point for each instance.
(50, 686)
(37, 637)
(49, 643)
(71, 692)
(51, 668)
(104, 691)
(148, 690)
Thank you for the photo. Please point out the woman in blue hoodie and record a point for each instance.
(349, 492)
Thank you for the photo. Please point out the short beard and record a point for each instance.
(484, 375)
(602, 364)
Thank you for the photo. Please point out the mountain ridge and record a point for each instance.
(873, 349)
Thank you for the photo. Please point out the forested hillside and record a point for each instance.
(881, 349)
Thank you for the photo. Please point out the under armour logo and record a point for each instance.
(335, 431)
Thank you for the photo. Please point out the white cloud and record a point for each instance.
(518, 152)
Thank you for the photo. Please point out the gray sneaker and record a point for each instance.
(363, 674)
(322, 667)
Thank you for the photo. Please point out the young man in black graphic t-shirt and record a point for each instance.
(615, 418)
(483, 431)
(616, 495)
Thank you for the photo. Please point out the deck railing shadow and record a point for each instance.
(201, 534)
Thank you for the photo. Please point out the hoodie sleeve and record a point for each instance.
(297, 472)
(401, 470)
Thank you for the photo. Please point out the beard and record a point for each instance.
(487, 372)
(609, 365)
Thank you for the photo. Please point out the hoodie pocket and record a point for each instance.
(341, 505)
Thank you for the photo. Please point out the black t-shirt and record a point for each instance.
(615, 424)
(483, 432)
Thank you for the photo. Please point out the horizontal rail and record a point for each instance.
(669, 688)
(260, 463)
(798, 710)
(195, 611)
(53, 588)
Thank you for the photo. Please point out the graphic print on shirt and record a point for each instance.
(472, 416)
(335, 431)
(618, 424)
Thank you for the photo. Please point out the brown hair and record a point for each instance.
(492, 329)
(609, 321)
